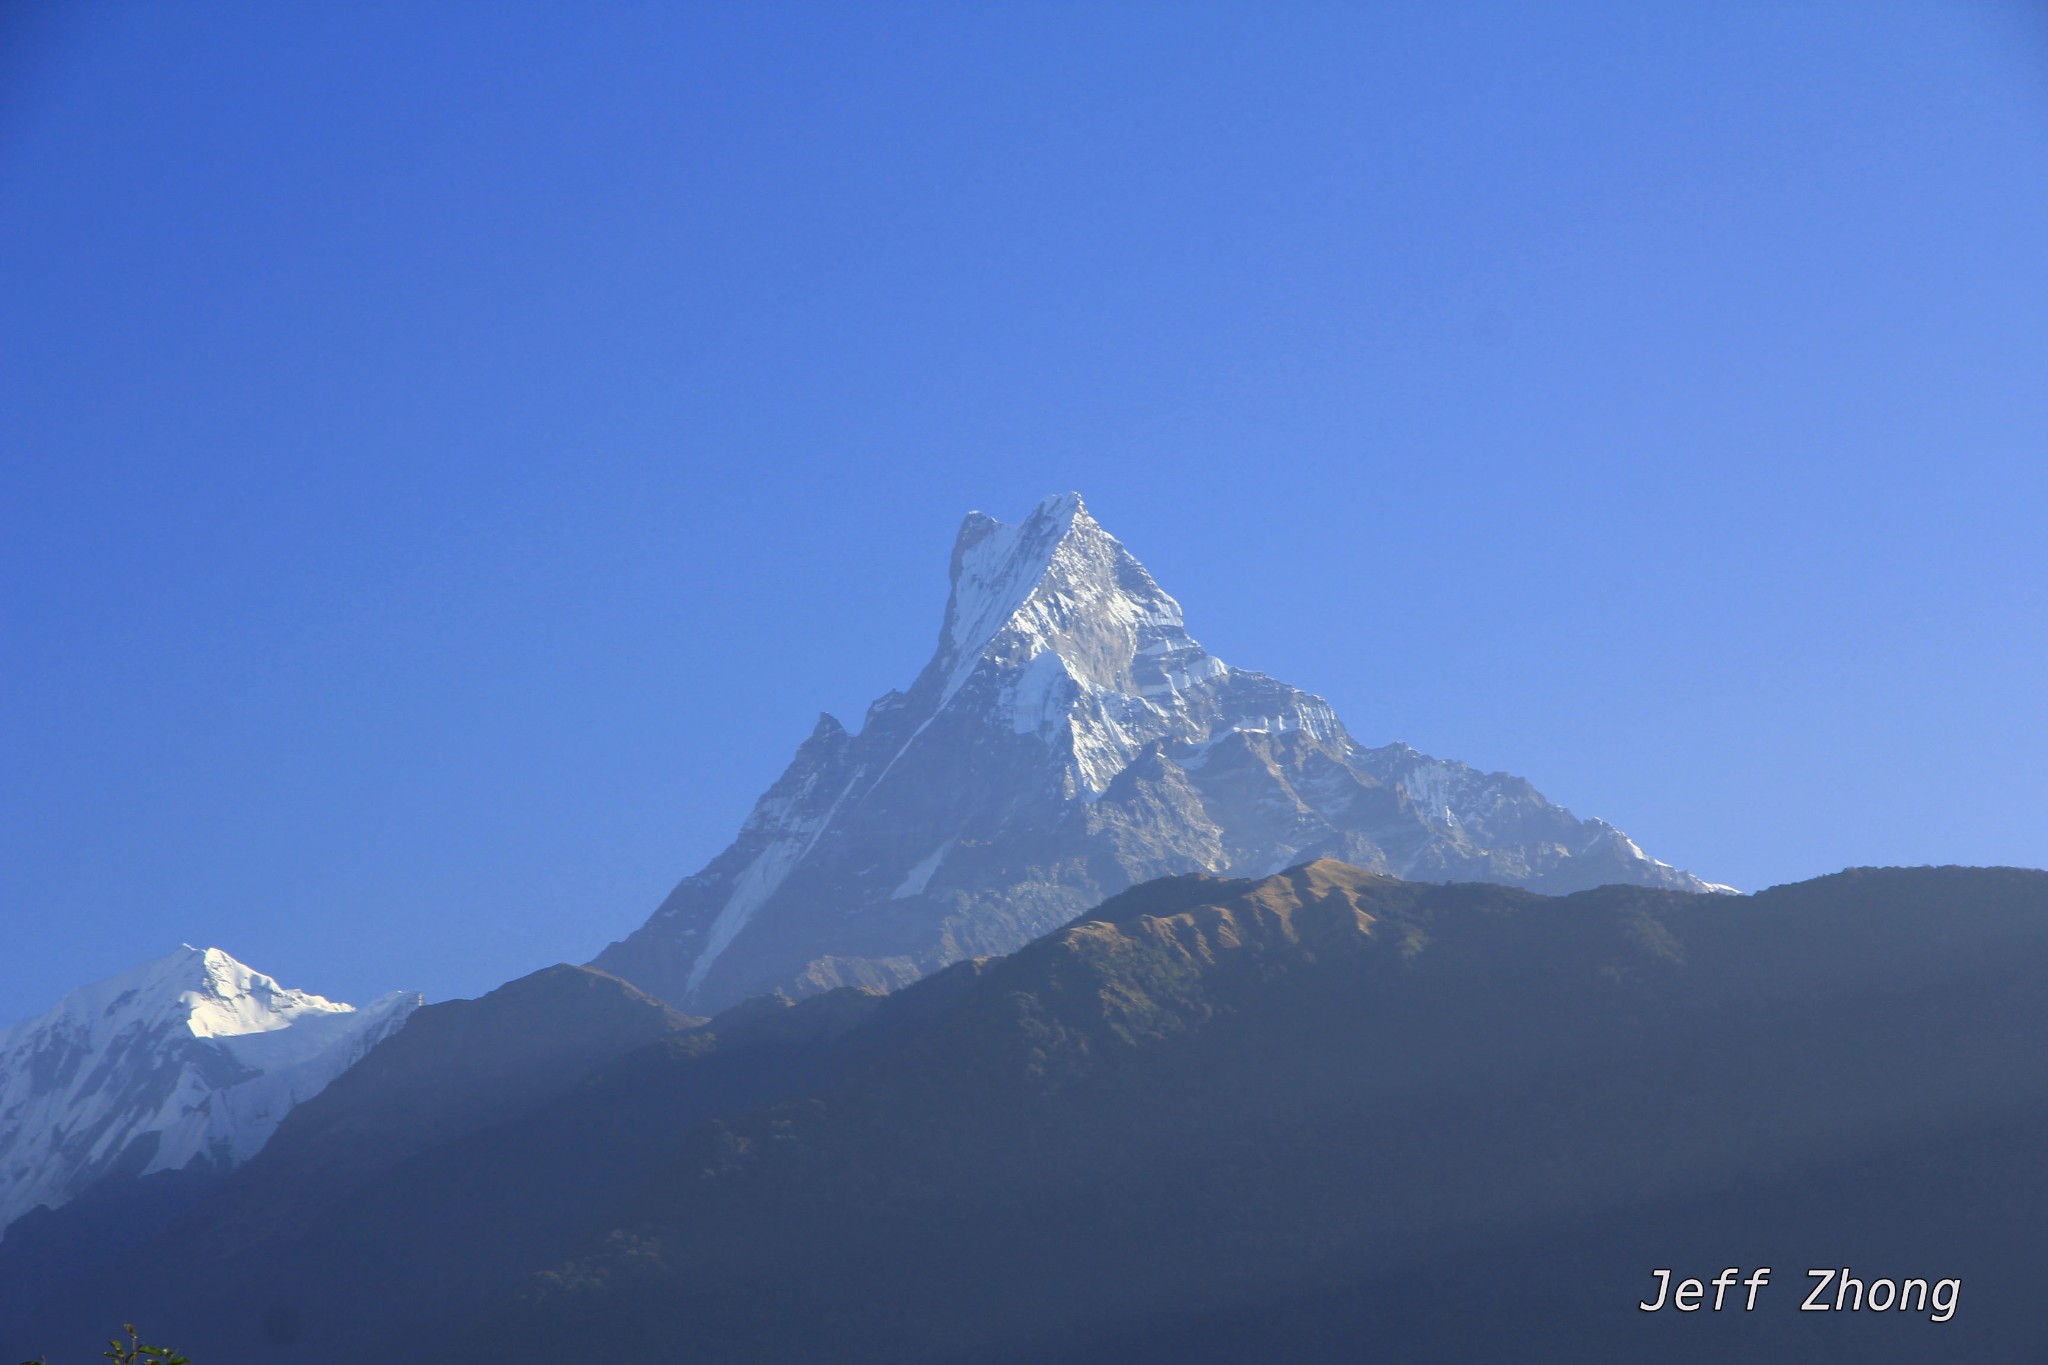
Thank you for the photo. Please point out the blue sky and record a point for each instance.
(452, 453)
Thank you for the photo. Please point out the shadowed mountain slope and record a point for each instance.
(1307, 1117)
(1323, 1115)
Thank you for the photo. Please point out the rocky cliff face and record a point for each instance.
(1068, 739)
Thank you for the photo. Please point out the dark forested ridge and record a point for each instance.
(1320, 1116)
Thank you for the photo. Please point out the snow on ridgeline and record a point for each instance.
(191, 1060)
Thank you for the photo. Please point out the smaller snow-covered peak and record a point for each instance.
(191, 1058)
(236, 999)
(204, 989)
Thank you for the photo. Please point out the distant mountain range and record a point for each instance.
(1067, 740)
(1096, 1002)
(1317, 1116)
(188, 1062)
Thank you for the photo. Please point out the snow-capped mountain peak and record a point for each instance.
(188, 1060)
(1067, 738)
(1054, 583)
(1054, 629)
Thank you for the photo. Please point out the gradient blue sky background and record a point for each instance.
(453, 452)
